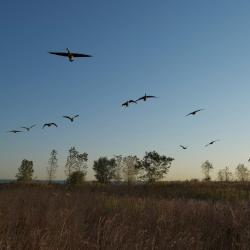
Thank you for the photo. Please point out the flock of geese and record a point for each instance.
(71, 56)
(146, 97)
(71, 118)
(143, 98)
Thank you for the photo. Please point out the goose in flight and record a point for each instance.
(29, 128)
(126, 104)
(15, 131)
(183, 147)
(71, 118)
(210, 143)
(145, 97)
(49, 124)
(71, 56)
(194, 112)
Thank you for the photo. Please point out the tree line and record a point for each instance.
(242, 173)
(151, 168)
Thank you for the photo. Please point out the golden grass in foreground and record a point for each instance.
(120, 217)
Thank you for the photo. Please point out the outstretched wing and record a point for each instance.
(216, 140)
(190, 114)
(212, 142)
(45, 125)
(151, 96)
(15, 131)
(132, 101)
(80, 55)
(141, 98)
(59, 53)
(25, 128)
(125, 104)
(198, 110)
(75, 116)
(32, 126)
(194, 112)
(54, 124)
(67, 117)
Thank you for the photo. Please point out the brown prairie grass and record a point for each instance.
(163, 216)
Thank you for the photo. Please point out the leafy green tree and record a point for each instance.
(154, 166)
(76, 178)
(52, 165)
(104, 169)
(76, 162)
(25, 171)
(242, 173)
(206, 168)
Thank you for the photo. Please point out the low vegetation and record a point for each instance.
(174, 215)
(127, 207)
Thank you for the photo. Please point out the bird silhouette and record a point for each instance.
(126, 104)
(29, 128)
(249, 160)
(71, 56)
(71, 118)
(194, 112)
(15, 131)
(183, 147)
(145, 97)
(210, 143)
(49, 124)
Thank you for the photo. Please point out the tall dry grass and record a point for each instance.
(123, 217)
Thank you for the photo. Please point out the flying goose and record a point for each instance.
(14, 131)
(210, 143)
(71, 118)
(29, 128)
(126, 104)
(71, 56)
(49, 124)
(145, 97)
(194, 112)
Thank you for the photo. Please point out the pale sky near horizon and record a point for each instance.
(192, 54)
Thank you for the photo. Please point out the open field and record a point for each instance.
(180, 215)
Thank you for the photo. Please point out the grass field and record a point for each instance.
(175, 215)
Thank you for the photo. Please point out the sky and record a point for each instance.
(191, 54)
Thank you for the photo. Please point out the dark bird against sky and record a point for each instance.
(71, 118)
(29, 128)
(69, 54)
(126, 104)
(15, 131)
(145, 97)
(49, 124)
(183, 147)
(210, 143)
(194, 112)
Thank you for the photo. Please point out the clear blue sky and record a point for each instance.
(192, 54)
